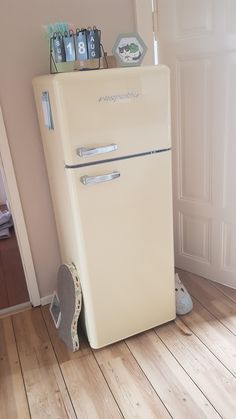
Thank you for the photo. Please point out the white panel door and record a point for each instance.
(197, 40)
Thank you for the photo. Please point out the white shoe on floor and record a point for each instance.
(183, 300)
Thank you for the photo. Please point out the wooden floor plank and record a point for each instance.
(13, 400)
(132, 390)
(212, 378)
(229, 292)
(89, 392)
(180, 395)
(211, 298)
(4, 302)
(213, 334)
(156, 374)
(12, 270)
(45, 388)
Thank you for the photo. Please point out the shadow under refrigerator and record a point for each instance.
(106, 139)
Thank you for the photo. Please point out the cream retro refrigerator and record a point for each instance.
(106, 138)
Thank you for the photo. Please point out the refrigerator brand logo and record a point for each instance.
(126, 97)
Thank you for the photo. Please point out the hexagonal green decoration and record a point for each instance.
(129, 49)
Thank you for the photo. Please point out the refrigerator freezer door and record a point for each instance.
(106, 114)
(125, 234)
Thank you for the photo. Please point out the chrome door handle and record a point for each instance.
(88, 180)
(86, 152)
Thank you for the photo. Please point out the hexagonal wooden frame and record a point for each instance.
(121, 42)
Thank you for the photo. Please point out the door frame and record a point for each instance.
(146, 22)
(12, 192)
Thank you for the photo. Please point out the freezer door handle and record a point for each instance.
(88, 180)
(87, 152)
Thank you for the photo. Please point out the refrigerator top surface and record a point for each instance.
(73, 75)
(106, 114)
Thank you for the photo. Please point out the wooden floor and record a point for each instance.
(157, 374)
(13, 288)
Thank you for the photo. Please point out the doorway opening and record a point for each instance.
(13, 287)
(17, 255)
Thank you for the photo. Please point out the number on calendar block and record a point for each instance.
(69, 45)
(81, 43)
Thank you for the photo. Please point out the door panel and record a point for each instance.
(126, 230)
(197, 41)
(193, 18)
(195, 237)
(194, 128)
(229, 247)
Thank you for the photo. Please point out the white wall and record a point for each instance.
(25, 55)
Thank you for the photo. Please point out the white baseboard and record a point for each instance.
(46, 300)
(24, 306)
(15, 309)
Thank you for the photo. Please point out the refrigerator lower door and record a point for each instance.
(126, 242)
